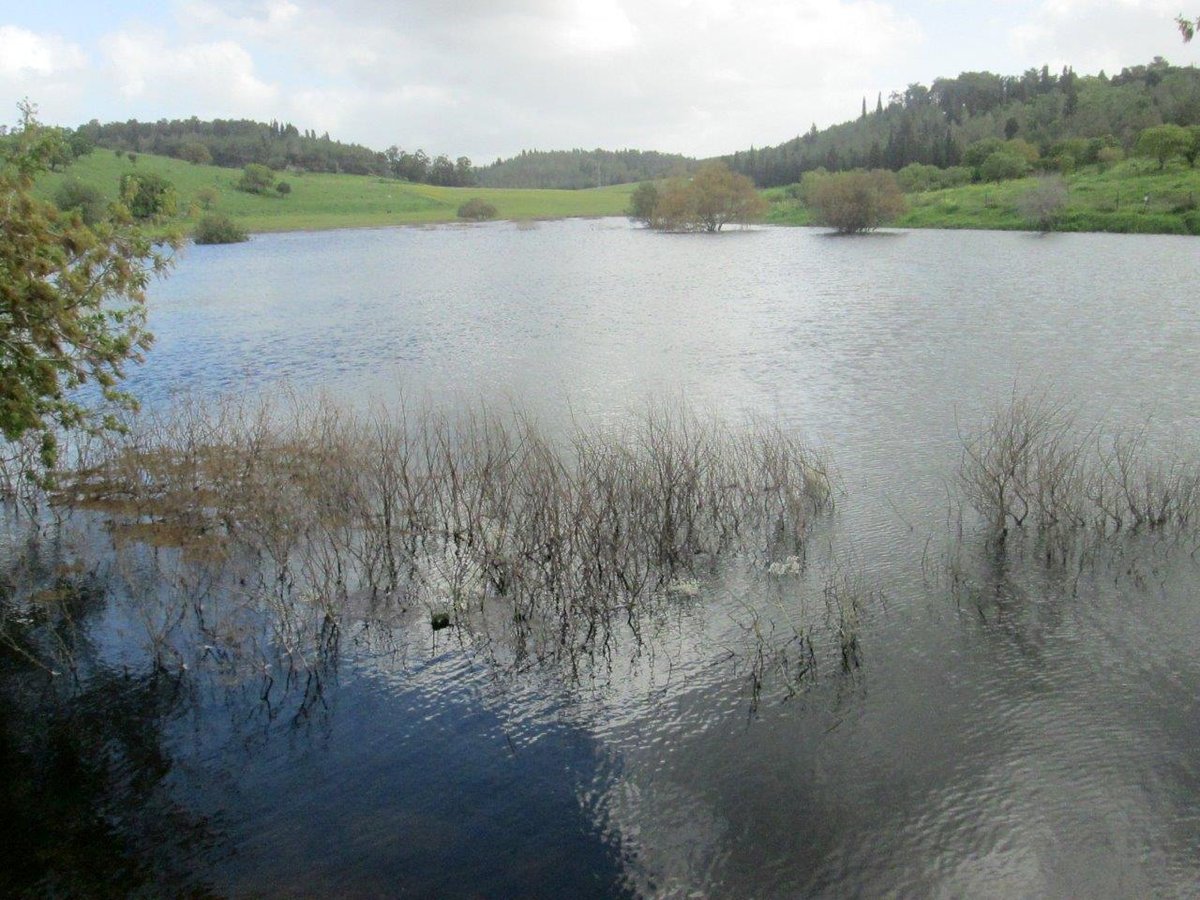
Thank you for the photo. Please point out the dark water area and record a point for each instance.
(1010, 728)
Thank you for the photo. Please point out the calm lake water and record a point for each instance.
(1035, 735)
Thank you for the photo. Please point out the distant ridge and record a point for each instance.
(575, 169)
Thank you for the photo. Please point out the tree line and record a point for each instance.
(575, 169)
(935, 125)
(236, 143)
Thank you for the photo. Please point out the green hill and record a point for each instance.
(322, 200)
(581, 168)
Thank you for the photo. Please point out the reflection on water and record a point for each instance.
(1004, 726)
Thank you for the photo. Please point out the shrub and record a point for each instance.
(1044, 204)
(207, 197)
(977, 152)
(283, 188)
(477, 210)
(955, 176)
(195, 153)
(215, 228)
(73, 194)
(916, 177)
(857, 201)
(256, 179)
(643, 202)
(148, 196)
(1003, 165)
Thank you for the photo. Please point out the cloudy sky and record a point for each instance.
(487, 78)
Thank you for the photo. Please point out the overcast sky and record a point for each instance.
(488, 78)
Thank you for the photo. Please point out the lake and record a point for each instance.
(1009, 728)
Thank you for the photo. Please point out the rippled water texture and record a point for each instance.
(1036, 735)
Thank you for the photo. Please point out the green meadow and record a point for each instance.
(319, 201)
(1132, 196)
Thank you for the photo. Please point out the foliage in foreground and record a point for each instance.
(72, 300)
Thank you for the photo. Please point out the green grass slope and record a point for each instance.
(1132, 197)
(320, 201)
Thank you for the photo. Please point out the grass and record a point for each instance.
(320, 201)
(1113, 200)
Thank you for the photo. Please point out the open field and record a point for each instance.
(319, 201)
(1133, 196)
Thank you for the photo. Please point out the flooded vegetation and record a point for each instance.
(865, 613)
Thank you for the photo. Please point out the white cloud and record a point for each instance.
(206, 79)
(26, 55)
(701, 76)
(46, 68)
(1091, 35)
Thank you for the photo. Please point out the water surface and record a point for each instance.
(1035, 735)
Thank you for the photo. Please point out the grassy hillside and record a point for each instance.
(1114, 200)
(333, 201)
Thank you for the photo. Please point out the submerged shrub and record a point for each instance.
(449, 512)
(477, 210)
(857, 201)
(216, 228)
(1044, 204)
(1029, 468)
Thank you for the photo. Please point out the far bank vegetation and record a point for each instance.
(708, 201)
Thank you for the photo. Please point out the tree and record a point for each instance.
(1162, 142)
(72, 301)
(256, 179)
(148, 196)
(1045, 203)
(642, 202)
(857, 201)
(713, 198)
(722, 197)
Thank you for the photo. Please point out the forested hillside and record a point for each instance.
(934, 125)
(581, 168)
(236, 143)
